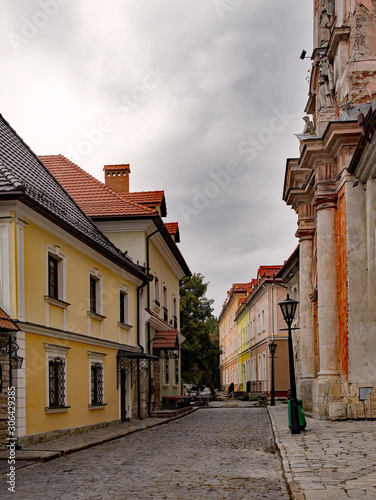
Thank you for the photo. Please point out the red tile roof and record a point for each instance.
(151, 199)
(268, 271)
(166, 339)
(94, 197)
(6, 324)
(173, 229)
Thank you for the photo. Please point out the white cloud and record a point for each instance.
(224, 81)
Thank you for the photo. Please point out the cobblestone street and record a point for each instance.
(218, 453)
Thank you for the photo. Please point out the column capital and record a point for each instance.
(305, 233)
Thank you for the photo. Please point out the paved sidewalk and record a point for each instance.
(328, 461)
(70, 444)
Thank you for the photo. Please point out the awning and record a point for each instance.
(167, 343)
(166, 339)
(6, 324)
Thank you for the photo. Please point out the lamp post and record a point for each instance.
(272, 348)
(288, 308)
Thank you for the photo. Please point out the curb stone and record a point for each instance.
(295, 492)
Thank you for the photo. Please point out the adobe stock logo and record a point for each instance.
(31, 26)
(201, 196)
(121, 107)
(223, 7)
(255, 144)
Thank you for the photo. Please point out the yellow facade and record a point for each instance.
(78, 267)
(65, 325)
(243, 329)
(78, 386)
(162, 292)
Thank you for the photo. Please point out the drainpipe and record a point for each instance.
(148, 270)
(141, 347)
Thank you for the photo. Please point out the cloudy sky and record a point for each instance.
(202, 98)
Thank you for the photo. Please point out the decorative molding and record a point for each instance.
(96, 316)
(56, 302)
(74, 337)
(96, 356)
(339, 34)
(5, 277)
(56, 350)
(20, 225)
(59, 409)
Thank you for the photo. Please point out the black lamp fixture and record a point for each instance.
(303, 55)
(288, 308)
(272, 348)
(10, 348)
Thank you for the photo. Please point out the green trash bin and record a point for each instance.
(302, 420)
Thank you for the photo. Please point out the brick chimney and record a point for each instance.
(116, 177)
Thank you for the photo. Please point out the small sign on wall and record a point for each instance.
(364, 393)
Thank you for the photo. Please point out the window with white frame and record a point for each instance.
(166, 371)
(263, 320)
(95, 292)
(97, 383)
(259, 368)
(56, 358)
(56, 272)
(156, 291)
(124, 306)
(176, 371)
(96, 367)
(165, 308)
(174, 312)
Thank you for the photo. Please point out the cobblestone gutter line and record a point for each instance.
(295, 492)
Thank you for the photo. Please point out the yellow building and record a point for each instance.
(77, 299)
(228, 337)
(133, 222)
(243, 330)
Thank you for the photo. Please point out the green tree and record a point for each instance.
(200, 351)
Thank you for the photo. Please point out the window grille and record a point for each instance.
(97, 384)
(57, 382)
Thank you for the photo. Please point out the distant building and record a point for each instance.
(331, 186)
(228, 336)
(264, 326)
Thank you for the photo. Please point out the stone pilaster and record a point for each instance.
(306, 332)
(324, 394)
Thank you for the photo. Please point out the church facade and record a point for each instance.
(331, 187)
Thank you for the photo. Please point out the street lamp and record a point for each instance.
(288, 308)
(272, 348)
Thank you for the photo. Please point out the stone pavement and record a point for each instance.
(329, 460)
(213, 453)
(71, 443)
